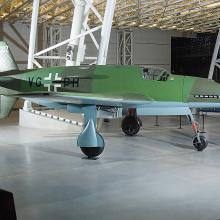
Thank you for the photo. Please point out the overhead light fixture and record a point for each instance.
(171, 27)
(121, 22)
(4, 14)
(132, 23)
(213, 5)
(142, 25)
(190, 29)
(163, 26)
(153, 25)
(61, 17)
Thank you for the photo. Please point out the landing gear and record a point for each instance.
(200, 141)
(90, 141)
(131, 125)
(92, 152)
(200, 145)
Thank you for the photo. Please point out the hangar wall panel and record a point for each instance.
(151, 36)
(150, 47)
(152, 54)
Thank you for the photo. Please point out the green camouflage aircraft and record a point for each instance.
(84, 89)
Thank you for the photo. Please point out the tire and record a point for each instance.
(200, 146)
(92, 152)
(131, 125)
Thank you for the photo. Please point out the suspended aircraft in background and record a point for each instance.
(84, 89)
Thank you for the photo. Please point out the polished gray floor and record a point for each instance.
(156, 175)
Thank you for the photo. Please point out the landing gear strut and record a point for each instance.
(131, 123)
(200, 141)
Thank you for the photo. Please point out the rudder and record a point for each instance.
(7, 61)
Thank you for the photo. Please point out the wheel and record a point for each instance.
(92, 152)
(131, 125)
(200, 146)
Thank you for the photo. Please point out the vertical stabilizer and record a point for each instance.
(7, 62)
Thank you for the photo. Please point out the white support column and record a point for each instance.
(82, 47)
(33, 33)
(106, 31)
(215, 60)
(77, 25)
(32, 43)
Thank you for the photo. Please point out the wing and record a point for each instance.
(116, 100)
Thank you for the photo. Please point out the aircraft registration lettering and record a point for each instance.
(37, 82)
(71, 81)
(56, 83)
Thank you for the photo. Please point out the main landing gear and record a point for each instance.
(131, 124)
(90, 141)
(92, 152)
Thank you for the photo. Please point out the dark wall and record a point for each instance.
(192, 56)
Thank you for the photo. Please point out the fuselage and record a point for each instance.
(113, 81)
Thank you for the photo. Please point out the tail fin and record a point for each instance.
(7, 62)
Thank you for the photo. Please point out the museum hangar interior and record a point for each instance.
(109, 109)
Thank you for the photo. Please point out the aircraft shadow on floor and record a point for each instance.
(58, 151)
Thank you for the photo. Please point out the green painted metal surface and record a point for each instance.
(110, 82)
(107, 81)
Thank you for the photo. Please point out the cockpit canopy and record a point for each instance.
(154, 73)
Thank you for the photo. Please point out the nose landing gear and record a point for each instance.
(200, 145)
(200, 141)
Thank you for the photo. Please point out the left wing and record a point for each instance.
(116, 100)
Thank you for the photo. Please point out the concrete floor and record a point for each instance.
(156, 175)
